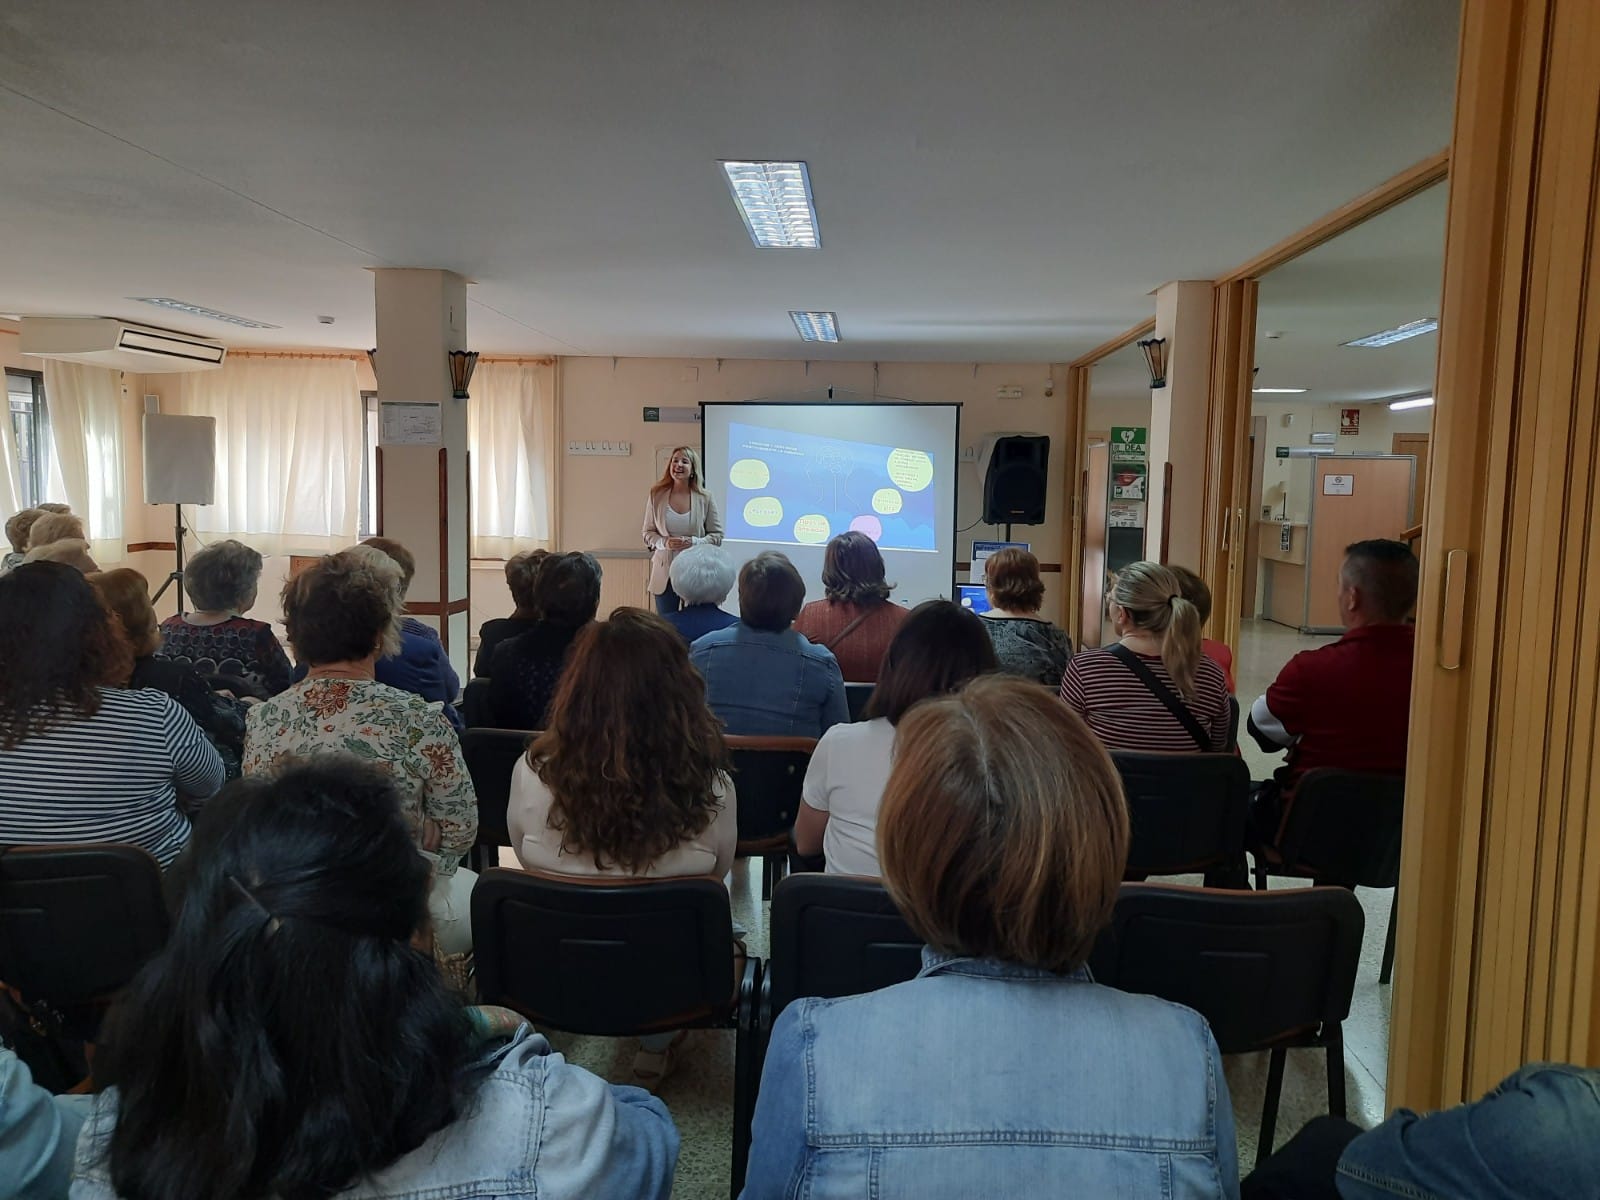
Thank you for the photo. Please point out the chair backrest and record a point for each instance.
(78, 921)
(1344, 827)
(475, 703)
(768, 773)
(856, 696)
(1259, 966)
(836, 935)
(612, 958)
(1187, 811)
(491, 755)
(1233, 725)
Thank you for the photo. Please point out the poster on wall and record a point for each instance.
(1130, 442)
(1338, 485)
(1124, 516)
(1350, 422)
(1127, 480)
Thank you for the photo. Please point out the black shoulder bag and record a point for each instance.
(1164, 694)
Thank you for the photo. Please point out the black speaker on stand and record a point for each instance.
(1015, 484)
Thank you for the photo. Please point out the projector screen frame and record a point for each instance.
(955, 448)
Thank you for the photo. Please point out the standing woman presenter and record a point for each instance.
(679, 513)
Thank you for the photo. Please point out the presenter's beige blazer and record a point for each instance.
(707, 520)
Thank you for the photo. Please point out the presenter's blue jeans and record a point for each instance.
(668, 602)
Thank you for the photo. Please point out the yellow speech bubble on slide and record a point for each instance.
(749, 474)
(886, 501)
(910, 470)
(763, 511)
(811, 529)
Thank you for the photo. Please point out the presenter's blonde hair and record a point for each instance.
(697, 475)
(1152, 596)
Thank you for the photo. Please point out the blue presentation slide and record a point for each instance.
(801, 490)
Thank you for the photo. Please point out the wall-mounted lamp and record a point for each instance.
(1155, 357)
(462, 364)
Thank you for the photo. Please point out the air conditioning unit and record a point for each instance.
(119, 345)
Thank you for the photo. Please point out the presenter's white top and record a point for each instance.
(848, 773)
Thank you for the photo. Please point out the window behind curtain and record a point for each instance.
(369, 464)
(30, 436)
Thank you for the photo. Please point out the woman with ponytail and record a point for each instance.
(294, 1040)
(1153, 690)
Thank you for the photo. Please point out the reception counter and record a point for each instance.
(1283, 571)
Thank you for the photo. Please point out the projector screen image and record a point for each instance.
(799, 489)
(789, 477)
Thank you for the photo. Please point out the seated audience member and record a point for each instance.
(38, 1134)
(1198, 594)
(17, 527)
(701, 576)
(527, 668)
(521, 571)
(629, 777)
(341, 617)
(1023, 644)
(855, 619)
(126, 593)
(1344, 705)
(422, 666)
(940, 647)
(293, 1039)
(761, 676)
(1534, 1137)
(217, 638)
(57, 535)
(82, 759)
(1002, 1069)
(1153, 691)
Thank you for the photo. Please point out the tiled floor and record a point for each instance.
(700, 1092)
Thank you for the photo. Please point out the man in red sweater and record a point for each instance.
(1345, 705)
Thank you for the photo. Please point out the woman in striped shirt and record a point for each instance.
(80, 759)
(1153, 690)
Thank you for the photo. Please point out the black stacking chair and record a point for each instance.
(620, 958)
(491, 755)
(856, 696)
(1268, 970)
(768, 773)
(1343, 830)
(1187, 810)
(475, 703)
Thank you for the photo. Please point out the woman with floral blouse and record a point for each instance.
(341, 618)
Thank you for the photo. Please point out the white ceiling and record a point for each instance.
(997, 181)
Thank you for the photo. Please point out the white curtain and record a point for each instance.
(288, 452)
(511, 433)
(85, 407)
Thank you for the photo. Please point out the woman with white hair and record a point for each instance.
(217, 638)
(702, 576)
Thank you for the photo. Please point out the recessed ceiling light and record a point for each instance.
(774, 198)
(1277, 391)
(1399, 333)
(198, 310)
(816, 326)
(1414, 402)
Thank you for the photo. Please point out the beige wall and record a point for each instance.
(602, 499)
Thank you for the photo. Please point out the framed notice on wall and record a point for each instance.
(1338, 485)
(1350, 422)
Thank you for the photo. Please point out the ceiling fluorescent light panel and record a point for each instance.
(815, 326)
(197, 310)
(1413, 402)
(1277, 391)
(1399, 333)
(774, 198)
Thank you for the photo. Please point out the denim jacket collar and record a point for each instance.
(936, 962)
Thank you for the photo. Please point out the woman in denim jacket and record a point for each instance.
(295, 1039)
(1002, 1069)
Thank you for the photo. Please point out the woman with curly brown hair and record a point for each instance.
(82, 760)
(629, 777)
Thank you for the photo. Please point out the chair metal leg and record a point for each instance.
(1386, 972)
(1269, 1107)
(1336, 1105)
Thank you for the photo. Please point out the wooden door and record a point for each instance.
(1416, 444)
(1352, 499)
(1252, 543)
(1096, 478)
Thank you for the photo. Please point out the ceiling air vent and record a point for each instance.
(119, 345)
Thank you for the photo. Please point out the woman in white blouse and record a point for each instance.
(937, 649)
(679, 513)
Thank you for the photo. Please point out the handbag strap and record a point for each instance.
(1161, 692)
(846, 631)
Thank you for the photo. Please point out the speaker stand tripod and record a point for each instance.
(177, 575)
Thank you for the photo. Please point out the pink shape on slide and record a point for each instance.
(869, 525)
